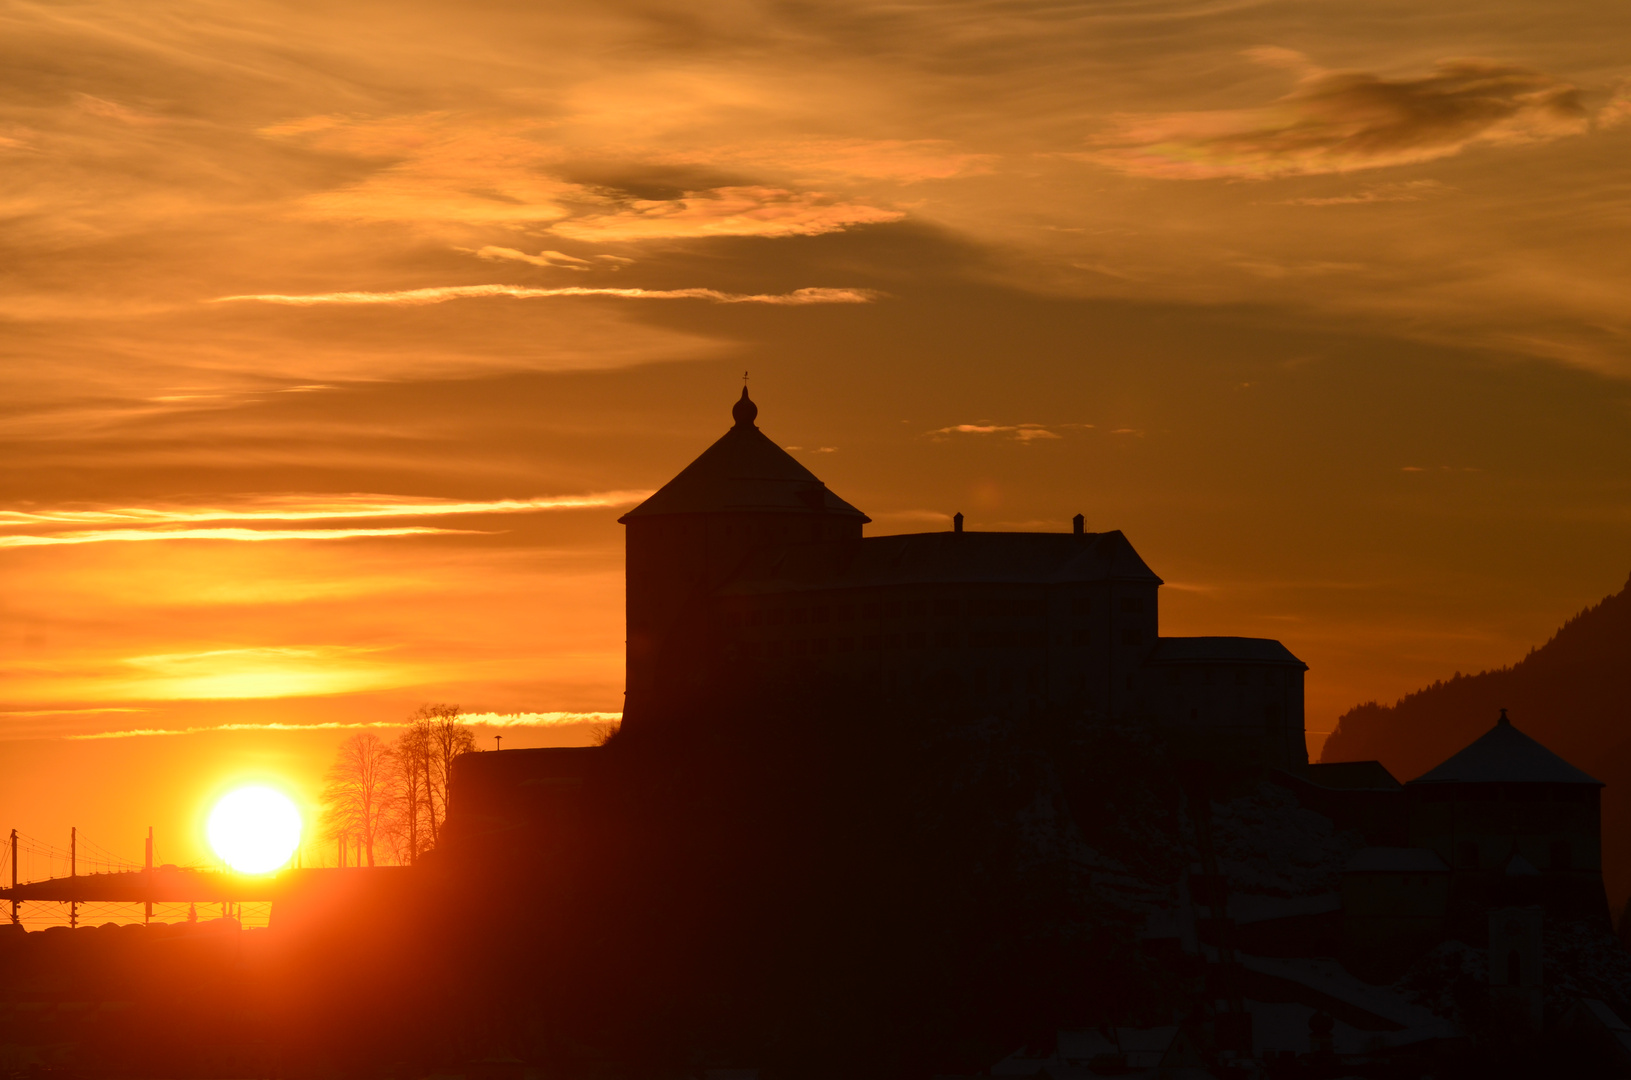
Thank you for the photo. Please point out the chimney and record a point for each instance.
(1078, 525)
(957, 522)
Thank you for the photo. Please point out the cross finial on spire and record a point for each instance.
(1503, 721)
(744, 380)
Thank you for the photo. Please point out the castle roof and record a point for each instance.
(1221, 650)
(946, 557)
(744, 472)
(1350, 776)
(1503, 754)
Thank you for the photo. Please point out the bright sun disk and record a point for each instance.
(254, 830)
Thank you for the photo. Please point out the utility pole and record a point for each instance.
(73, 872)
(14, 877)
(147, 916)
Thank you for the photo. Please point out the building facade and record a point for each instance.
(746, 564)
(1506, 796)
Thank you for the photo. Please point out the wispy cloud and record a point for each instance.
(460, 292)
(905, 161)
(98, 536)
(541, 719)
(317, 507)
(1617, 110)
(911, 515)
(490, 720)
(1341, 121)
(1021, 432)
(1409, 191)
(71, 712)
(557, 260)
(268, 671)
(467, 170)
(725, 211)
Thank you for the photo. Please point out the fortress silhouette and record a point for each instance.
(910, 798)
(746, 566)
(933, 805)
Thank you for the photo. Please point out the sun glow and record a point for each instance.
(254, 830)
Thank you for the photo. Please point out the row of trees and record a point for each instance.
(386, 801)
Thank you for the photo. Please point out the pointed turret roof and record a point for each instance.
(744, 472)
(1503, 754)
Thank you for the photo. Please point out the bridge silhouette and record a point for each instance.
(114, 881)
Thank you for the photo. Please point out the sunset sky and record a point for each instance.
(336, 336)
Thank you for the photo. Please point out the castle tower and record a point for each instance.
(1506, 795)
(742, 496)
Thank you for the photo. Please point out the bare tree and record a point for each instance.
(358, 800)
(413, 787)
(436, 736)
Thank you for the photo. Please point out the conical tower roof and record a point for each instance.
(1505, 755)
(744, 472)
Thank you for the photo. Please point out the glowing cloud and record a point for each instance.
(491, 720)
(462, 292)
(312, 508)
(1409, 191)
(905, 161)
(1340, 121)
(556, 260)
(98, 536)
(543, 719)
(267, 672)
(1617, 110)
(1022, 432)
(725, 211)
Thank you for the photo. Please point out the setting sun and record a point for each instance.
(254, 830)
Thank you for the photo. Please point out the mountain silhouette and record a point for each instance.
(1573, 694)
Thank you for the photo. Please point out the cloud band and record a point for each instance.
(442, 294)
(97, 536)
(499, 720)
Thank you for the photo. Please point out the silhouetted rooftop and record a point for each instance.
(1505, 755)
(1231, 650)
(946, 557)
(744, 471)
(1351, 776)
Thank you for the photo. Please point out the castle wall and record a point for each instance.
(988, 644)
(1477, 829)
(1255, 707)
(674, 564)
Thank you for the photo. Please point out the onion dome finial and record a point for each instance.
(745, 411)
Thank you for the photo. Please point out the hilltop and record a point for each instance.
(1572, 693)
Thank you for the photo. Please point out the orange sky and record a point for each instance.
(336, 336)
